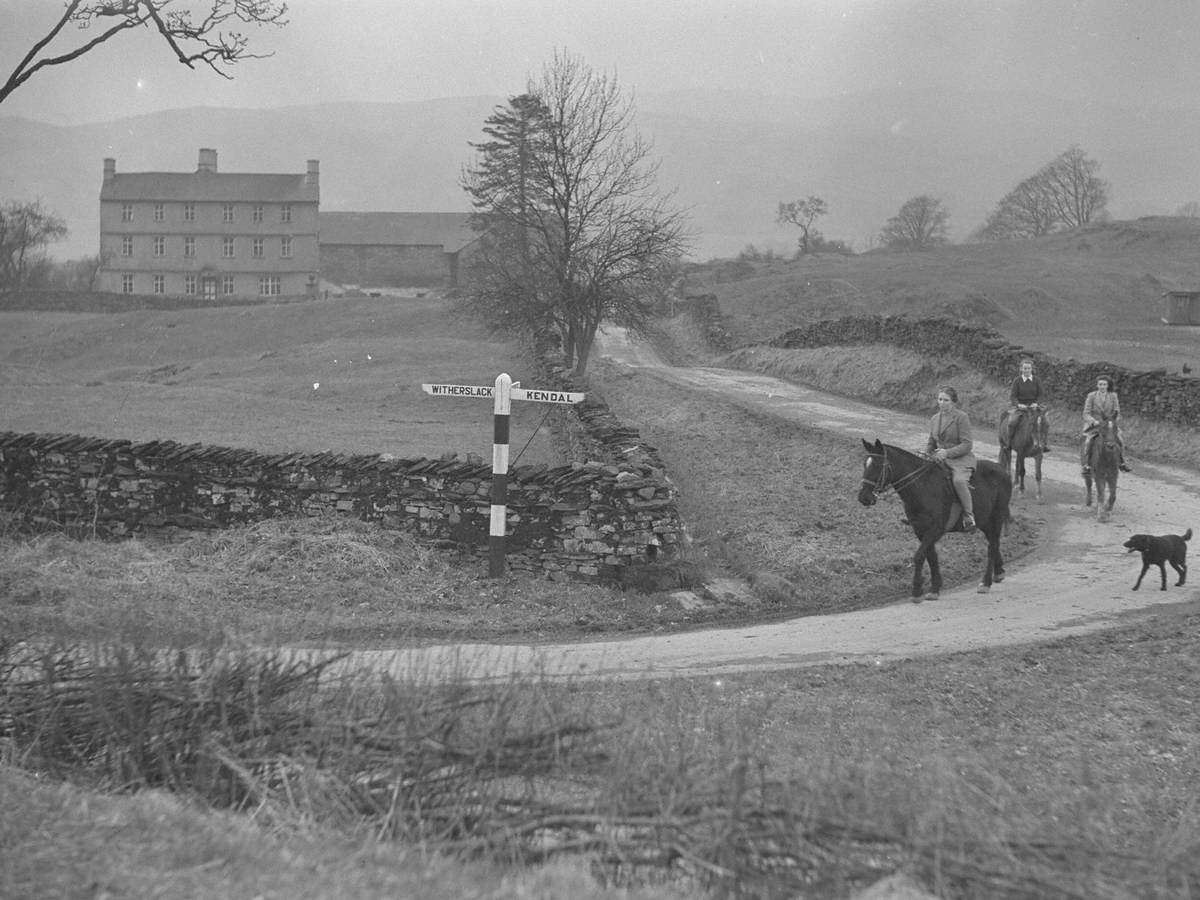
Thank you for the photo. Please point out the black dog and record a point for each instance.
(1157, 550)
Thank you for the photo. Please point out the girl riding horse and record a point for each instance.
(1101, 406)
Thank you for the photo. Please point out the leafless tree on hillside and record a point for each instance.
(1065, 193)
(920, 224)
(25, 228)
(1027, 211)
(802, 214)
(1077, 192)
(1189, 210)
(194, 37)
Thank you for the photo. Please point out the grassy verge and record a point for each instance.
(1065, 770)
(294, 581)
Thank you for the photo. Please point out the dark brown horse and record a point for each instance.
(1028, 439)
(1103, 463)
(931, 506)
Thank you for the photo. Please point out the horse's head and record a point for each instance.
(876, 473)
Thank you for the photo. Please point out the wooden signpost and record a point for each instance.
(503, 393)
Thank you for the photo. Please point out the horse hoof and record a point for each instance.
(997, 578)
(983, 589)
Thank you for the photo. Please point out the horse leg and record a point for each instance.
(1037, 476)
(924, 549)
(918, 573)
(1087, 480)
(935, 573)
(1020, 472)
(989, 568)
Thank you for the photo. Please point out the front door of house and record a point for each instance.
(208, 287)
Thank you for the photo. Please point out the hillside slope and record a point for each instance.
(1092, 294)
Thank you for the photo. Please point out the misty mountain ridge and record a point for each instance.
(730, 157)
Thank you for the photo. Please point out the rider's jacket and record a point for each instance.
(1025, 391)
(951, 431)
(1097, 407)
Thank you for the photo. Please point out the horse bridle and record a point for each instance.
(880, 486)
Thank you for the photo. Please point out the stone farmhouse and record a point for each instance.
(209, 233)
(223, 236)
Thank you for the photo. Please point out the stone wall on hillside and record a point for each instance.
(1155, 395)
(587, 521)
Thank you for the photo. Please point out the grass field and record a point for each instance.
(1068, 769)
(1094, 294)
(342, 375)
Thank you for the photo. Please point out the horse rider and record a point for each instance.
(950, 441)
(1101, 405)
(1025, 395)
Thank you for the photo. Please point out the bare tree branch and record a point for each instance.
(193, 41)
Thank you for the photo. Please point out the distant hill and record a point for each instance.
(1093, 294)
(732, 157)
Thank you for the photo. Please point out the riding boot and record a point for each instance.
(968, 511)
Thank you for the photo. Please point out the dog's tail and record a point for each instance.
(1187, 535)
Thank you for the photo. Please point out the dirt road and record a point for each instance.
(1079, 582)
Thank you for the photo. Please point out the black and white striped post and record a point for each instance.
(501, 410)
(502, 393)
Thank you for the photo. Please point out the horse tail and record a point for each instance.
(1187, 535)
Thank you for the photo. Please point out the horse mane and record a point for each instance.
(908, 455)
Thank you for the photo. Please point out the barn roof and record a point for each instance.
(209, 186)
(450, 231)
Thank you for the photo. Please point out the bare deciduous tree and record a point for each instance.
(1065, 193)
(920, 224)
(802, 214)
(25, 228)
(1077, 192)
(1027, 211)
(577, 230)
(201, 37)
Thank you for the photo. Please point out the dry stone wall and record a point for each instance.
(1156, 394)
(590, 521)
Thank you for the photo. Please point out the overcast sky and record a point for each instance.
(398, 50)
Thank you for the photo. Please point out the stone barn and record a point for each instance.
(1181, 308)
(394, 249)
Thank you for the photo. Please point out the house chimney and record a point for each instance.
(313, 175)
(208, 160)
(110, 169)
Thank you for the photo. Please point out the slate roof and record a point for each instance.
(209, 186)
(450, 231)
